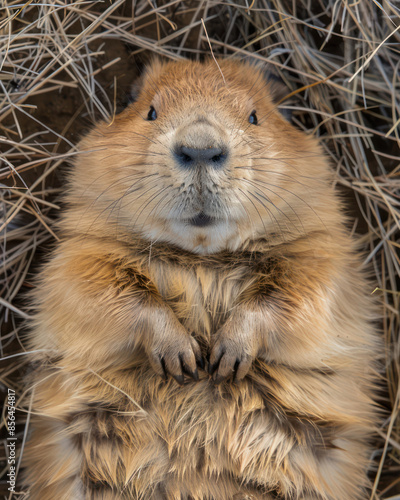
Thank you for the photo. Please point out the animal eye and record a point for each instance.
(152, 114)
(253, 118)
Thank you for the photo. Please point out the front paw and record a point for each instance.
(237, 344)
(176, 353)
(229, 358)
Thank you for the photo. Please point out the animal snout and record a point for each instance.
(195, 157)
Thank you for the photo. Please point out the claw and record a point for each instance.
(194, 374)
(179, 378)
(200, 363)
(178, 356)
(185, 369)
(218, 379)
(212, 368)
(235, 369)
(164, 368)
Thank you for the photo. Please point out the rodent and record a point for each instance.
(204, 328)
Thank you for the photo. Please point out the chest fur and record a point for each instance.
(201, 296)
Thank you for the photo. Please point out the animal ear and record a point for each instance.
(151, 72)
(129, 96)
(276, 86)
(278, 90)
(135, 89)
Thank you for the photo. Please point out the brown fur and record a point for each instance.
(273, 291)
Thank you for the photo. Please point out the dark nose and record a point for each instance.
(192, 157)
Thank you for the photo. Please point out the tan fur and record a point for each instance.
(274, 286)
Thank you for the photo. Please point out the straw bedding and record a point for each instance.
(63, 65)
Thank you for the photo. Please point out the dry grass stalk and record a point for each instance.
(339, 59)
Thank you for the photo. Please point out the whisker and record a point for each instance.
(119, 181)
(134, 153)
(254, 183)
(129, 191)
(114, 203)
(273, 172)
(256, 209)
(298, 157)
(245, 209)
(282, 174)
(165, 204)
(269, 212)
(296, 196)
(155, 207)
(133, 175)
(99, 177)
(148, 202)
(254, 151)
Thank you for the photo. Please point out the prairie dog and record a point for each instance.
(201, 225)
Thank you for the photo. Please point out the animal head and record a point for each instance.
(202, 159)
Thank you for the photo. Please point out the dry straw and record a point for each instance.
(64, 64)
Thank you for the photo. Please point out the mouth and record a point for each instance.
(201, 220)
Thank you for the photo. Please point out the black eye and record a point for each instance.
(253, 118)
(152, 114)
